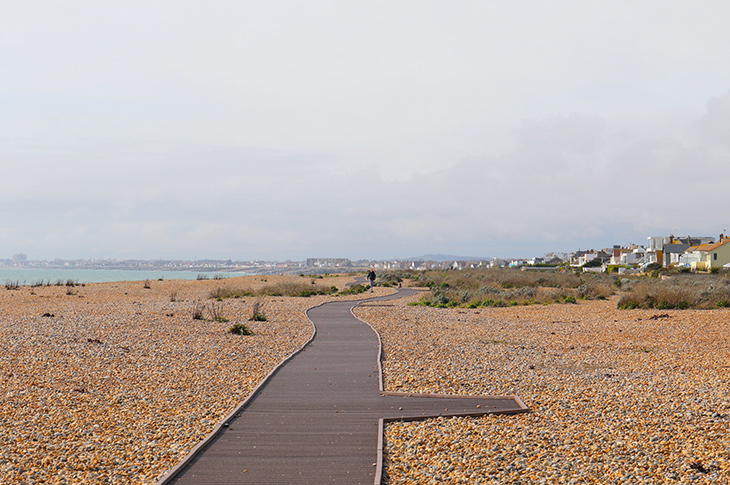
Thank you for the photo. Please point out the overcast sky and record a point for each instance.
(380, 129)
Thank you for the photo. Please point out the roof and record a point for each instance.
(710, 247)
(676, 248)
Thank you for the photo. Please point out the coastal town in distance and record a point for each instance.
(692, 253)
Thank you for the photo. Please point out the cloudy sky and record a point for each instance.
(379, 129)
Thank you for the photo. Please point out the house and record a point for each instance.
(328, 262)
(707, 256)
(718, 254)
(517, 263)
(578, 258)
(632, 255)
(691, 258)
(672, 252)
(588, 256)
(658, 246)
(619, 255)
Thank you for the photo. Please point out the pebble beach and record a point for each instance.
(116, 383)
(616, 396)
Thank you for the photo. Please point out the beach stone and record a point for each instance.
(121, 383)
(604, 410)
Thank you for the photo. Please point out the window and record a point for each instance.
(714, 256)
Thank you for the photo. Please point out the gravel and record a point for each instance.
(116, 383)
(617, 396)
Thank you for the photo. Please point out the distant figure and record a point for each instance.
(371, 278)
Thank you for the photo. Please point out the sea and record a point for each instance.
(28, 276)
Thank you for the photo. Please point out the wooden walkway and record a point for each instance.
(319, 417)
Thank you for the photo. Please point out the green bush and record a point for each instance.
(393, 277)
(353, 290)
(681, 291)
(300, 289)
(469, 289)
(257, 313)
(221, 293)
(240, 329)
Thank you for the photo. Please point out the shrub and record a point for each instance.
(257, 313)
(468, 289)
(439, 299)
(221, 293)
(353, 290)
(300, 289)
(679, 292)
(393, 277)
(215, 311)
(240, 329)
(198, 311)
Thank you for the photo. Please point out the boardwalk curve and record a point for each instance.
(319, 417)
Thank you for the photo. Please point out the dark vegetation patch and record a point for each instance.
(511, 287)
(660, 289)
(240, 329)
(297, 289)
(678, 292)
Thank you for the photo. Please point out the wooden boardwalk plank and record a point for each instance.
(319, 417)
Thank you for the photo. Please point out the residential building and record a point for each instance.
(707, 256)
(658, 246)
(672, 252)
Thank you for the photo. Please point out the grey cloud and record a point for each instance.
(285, 129)
(714, 127)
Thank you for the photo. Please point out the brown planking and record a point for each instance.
(319, 417)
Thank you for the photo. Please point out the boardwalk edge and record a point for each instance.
(172, 473)
(521, 407)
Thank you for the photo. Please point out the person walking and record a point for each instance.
(371, 278)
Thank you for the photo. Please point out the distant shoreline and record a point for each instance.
(35, 276)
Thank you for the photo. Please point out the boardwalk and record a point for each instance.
(319, 418)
